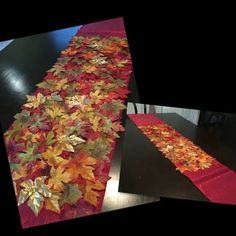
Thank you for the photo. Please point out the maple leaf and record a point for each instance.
(118, 82)
(50, 139)
(58, 70)
(97, 96)
(23, 117)
(52, 155)
(121, 63)
(61, 84)
(39, 122)
(98, 149)
(71, 194)
(49, 84)
(111, 128)
(12, 148)
(30, 154)
(67, 143)
(63, 60)
(88, 68)
(55, 111)
(29, 136)
(75, 101)
(35, 101)
(91, 195)
(38, 166)
(69, 52)
(115, 105)
(88, 55)
(19, 172)
(98, 60)
(34, 193)
(122, 92)
(59, 177)
(52, 203)
(56, 97)
(94, 120)
(73, 72)
(81, 165)
(15, 131)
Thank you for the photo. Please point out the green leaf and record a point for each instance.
(98, 149)
(71, 194)
(50, 140)
(63, 60)
(116, 106)
(30, 154)
(118, 82)
(23, 117)
(49, 84)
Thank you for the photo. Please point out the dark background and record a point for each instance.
(181, 58)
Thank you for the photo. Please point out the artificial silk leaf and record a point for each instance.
(61, 84)
(23, 117)
(91, 195)
(30, 154)
(49, 84)
(69, 52)
(67, 143)
(52, 203)
(35, 101)
(121, 63)
(29, 136)
(56, 97)
(34, 193)
(52, 155)
(58, 70)
(115, 105)
(50, 139)
(71, 194)
(98, 60)
(81, 165)
(59, 177)
(55, 111)
(98, 149)
(88, 68)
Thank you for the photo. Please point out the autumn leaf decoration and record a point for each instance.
(67, 128)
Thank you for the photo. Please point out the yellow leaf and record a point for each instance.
(35, 101)
(67, 143)
(59, 176)
(52, 203)
(91, 195)
(55, 111)
(88, 68)
(61, 84)
(52, 155)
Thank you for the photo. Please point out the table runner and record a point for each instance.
(60, 145)
(216, 181)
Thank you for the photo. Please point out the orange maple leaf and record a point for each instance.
(81, 165)
(91, 195)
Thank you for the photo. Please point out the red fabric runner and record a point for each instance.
(217, 183)
(61, 145)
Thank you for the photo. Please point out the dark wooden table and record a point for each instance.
(145, 170)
